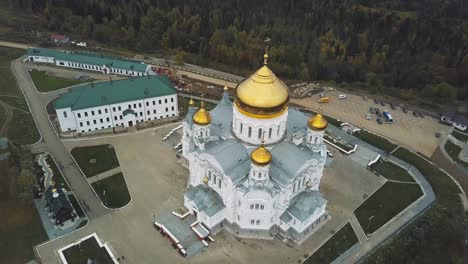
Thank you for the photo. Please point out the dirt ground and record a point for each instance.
(407, 130)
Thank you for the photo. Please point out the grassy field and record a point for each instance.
(58, 176)
(459, 136)
(22, 130)
(437, 236)
(454, 150)
(375, 140)
(104, 156)
(20, 230)
(113, 191)
(385, 203)
(45, 83)
(391, 171)
(88, 249)
(334, 247)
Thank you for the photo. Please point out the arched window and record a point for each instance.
(259, 175)
(260, 132)
(241, 127)
(316, 140)
(269, 132)
(250, 132)
(277, 132)
(262, 207)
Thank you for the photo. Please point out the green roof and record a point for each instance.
(113, 92)
(89, 58)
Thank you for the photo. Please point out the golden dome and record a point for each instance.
(262, 95)
(205, 179)
(225, 88)
(191, 102)
(202, 117)
(318, 122)
(309, 184)
(261, 156)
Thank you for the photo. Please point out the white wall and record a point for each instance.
(66, 119)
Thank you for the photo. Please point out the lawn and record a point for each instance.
(95, 159)
(22, 128)
(15, 101)
(45, 83)
(376, 141)
(7, 80)
(330, 120)
(459, 136)
(391, 171)
(58, 176)
(334, 247)
(113, 191)
(87, 250)
(385, 203)
(453, 151)
(437, 235)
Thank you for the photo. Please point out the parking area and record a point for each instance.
(417, 133)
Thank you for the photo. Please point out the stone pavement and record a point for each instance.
(358, 229)
(103, 175)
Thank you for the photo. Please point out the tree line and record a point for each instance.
(411, 49)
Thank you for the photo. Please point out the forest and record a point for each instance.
(406, 48)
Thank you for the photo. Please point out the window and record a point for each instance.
(159, 101)
(269, 132)
(121, 117)
(251, 206)
(165, 101)
(257, 206)
(250, 131)
(86, 114)
(219, 183)
(154, 111)
(120, 108)
(79, 115)
(241, 127)
(277, 132)
(141, 113)
(172, 108)
(81, 124)
(134, 105)
(252, 222)
(262, 207)
(92, 112)
(87, 123)
(115, 118)
(154, 102)
(100, 120)
(316, 140)
(129, 106)
(113, 109)
(148, 112)
(260, 132)
(65, 114)
(167, 109)
(94, 121)
(139, 104)
(258, 222)
(99, 111)
(259, 174)
(239, 203)
(147, 103)
(106, 111)
(209, 175)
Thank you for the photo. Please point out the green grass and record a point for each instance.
(183, 103)
(17, 102)
(453, 151)
(45, 83)
(76, 205)
(22, 129)
(88, 249)
(7, 80)
(116, 191)
(58, 176)
(385, 203)
(437, 235)
(460, 136)
(334, 247)
(375, 140)
(391, 171)
(105, 156)
(330, 120)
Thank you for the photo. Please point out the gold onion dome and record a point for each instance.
(261, 156)
(202, 117)
(191, 102)
(205, 179)
(262, 95)
(318, 122)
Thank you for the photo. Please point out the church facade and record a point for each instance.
(256, 163)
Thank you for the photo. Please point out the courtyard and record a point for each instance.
(156, 183)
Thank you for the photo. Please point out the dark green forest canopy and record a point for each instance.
(412, 48)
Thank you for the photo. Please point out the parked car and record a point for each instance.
(379, 121)
(371, 110)
(368, 117)
(342, 96)
(330, 154)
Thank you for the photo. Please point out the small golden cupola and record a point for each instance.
(262, 95)
(261, 156)
(318, 122)
(202, 117)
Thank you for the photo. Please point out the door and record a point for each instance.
(130, 123)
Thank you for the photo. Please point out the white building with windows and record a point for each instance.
(89, 62)
(256, 164)
(95, 106)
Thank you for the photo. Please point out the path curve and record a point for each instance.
(8, 116)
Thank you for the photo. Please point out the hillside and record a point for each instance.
(407, 49)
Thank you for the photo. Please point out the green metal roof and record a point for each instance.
(89, 58)
(113, 92)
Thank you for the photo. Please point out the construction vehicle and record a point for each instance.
(324, 99)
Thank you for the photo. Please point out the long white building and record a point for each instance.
(90, 62)
(91, 107)
(256, 164)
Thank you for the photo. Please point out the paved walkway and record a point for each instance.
(51, 143)
(358, 229)
(102, 176)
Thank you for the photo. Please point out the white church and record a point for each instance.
(256, 164)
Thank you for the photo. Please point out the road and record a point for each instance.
(51, 143)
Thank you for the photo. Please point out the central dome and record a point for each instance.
(262, 95)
